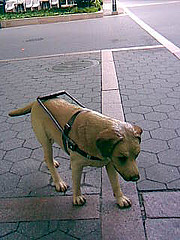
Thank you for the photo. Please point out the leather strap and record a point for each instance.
(68, 143)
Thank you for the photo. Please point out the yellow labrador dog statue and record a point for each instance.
(95, 140)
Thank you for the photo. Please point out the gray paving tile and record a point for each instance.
(162, 173)
(162, 204)
(7, 228)
(163, 229)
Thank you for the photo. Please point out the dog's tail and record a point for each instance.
(21, 111)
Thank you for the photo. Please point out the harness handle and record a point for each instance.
(66, 140)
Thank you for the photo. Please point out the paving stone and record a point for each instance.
(7, 228)
(34, 180)
(162, 173)
(170, 124)
(142, 173)
(5, 166)
(174, 115)
(147, 185)
(21, 126)
(155, 116)
(146, 135)
(31, 143)
(5, 126)
(169, 157)
(146, 159)
(134, 117)
(93, 178)
(174, 143)
(164, 134)
(10, 144)
(38, 154)
(162, 204)
(154, 145)
(170, 101)
(8, 181)
(58, 235)
(163, 108)
(142, 109)
(150, 102)
(26, 134)
(18, 154)
(163, 229)
(174, 184)
(82, 229)
(16, 236)
(2, 153)
(25, 167)
(148, 125)
(8, 135)
(34, 230)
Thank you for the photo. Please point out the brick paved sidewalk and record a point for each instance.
(149, 82)
(23, 175)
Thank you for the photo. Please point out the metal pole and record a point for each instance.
(4, 3)
(114, 6)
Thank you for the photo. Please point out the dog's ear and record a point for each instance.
(137, 132)
(107, 140)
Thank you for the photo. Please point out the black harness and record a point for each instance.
(67, 142)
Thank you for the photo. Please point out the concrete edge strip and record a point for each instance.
(47, 208)
(164, 41)
(85, 52)
(112, 106)
(111, 101)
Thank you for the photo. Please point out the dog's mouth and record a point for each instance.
(130, 179)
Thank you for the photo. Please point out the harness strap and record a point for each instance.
(67, 129)
(68, 143)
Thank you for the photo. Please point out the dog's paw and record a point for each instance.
(79, 200)
(124, 202)
(56, 163)
(61, 186)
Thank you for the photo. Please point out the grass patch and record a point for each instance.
(48, 12)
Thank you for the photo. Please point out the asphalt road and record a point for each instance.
(162, 16)
(85, 35)
(95, 34)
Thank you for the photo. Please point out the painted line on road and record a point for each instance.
(147, 4)
(83, 52)
(164, 41)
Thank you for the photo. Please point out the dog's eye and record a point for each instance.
(122, 159)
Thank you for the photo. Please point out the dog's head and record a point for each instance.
(121, 144)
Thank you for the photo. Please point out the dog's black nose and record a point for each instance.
(135, 178)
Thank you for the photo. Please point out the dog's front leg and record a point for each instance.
(113, 175)
(78, 198)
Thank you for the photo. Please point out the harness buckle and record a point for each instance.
(88, 156)
(72, 145)
(67, 128)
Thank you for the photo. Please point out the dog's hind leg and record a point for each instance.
(60, 185)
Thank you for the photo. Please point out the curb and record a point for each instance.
(51, 19)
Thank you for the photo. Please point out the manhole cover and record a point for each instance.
(73, 66)
(34, 39)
